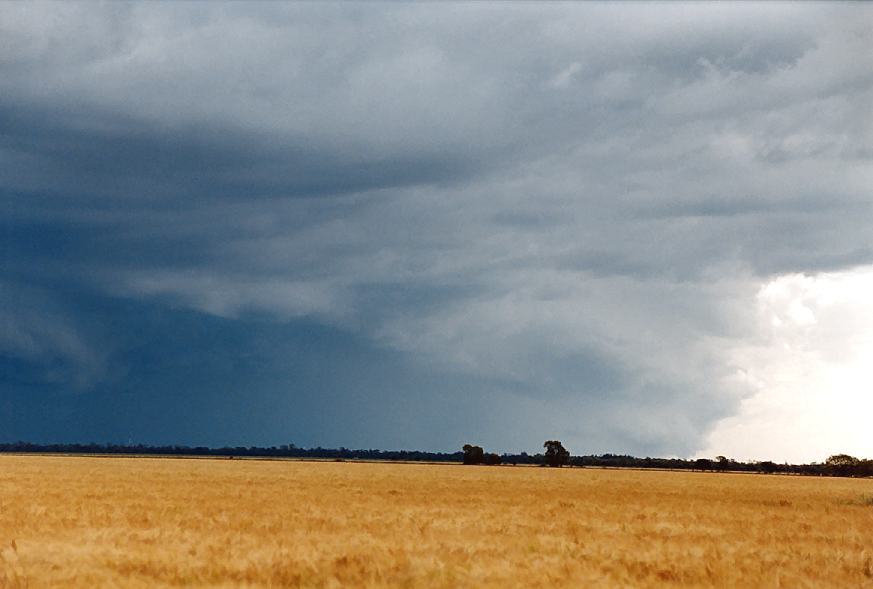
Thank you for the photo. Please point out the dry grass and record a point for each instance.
(133, 522)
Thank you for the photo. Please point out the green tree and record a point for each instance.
(473, 454)
(843, 465)
(767, 467)
(492, 459)
(556, 455)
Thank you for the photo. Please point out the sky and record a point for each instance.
(635, 227)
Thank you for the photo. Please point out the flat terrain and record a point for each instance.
(140, 522)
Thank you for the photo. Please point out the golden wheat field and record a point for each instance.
(144, 522)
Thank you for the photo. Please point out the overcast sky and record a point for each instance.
(641, 228)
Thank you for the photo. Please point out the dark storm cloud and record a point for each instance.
(132, 159)
(564, 211)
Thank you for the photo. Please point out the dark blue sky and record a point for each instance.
(415, 226)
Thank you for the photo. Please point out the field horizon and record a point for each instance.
(840, 464)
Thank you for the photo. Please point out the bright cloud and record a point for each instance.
(811, 370)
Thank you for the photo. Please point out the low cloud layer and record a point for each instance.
(566, 212)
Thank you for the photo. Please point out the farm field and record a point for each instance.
(143, 522)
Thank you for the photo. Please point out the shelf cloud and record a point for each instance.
(420, 225)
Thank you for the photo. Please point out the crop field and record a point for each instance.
(143, 522)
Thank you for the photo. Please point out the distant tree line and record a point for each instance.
(284, 451)
(837, 465)
(555, 455)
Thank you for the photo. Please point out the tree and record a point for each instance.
(703, 464)
(473, 454)
(767, 467)
(556, 455)
(721, 463)
(492, 459)
(843, 465)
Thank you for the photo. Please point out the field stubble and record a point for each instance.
(137, 522)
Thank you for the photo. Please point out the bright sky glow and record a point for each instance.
(811, 371)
